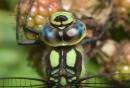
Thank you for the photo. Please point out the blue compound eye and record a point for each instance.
(69, 36)
(75, 33)
(48, 32)
(72, 32)
(80, 28)
(49, 35)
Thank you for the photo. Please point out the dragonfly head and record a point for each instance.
(62, 19)
(63, 29)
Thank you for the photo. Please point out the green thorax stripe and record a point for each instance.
(71, 58)
(54, 58)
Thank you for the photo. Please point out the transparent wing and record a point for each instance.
(32, 15)
(105, 81)
(19, 82)
(97, 81)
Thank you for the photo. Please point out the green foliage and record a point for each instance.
(8, 4)
(13, 58)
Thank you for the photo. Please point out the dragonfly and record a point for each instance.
(63, 63)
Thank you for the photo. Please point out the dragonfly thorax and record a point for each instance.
(64, 65)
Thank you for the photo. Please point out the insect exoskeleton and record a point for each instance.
(63, 30)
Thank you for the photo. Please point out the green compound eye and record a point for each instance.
(61, 18)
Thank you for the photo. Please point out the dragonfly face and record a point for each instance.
(63, 30)
(62, 19)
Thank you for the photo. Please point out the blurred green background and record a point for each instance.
(13, 58)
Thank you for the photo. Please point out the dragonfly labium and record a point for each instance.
(63, 35)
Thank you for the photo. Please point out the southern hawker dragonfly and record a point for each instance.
(62, 65)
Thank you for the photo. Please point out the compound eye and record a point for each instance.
(49, 35)
(72, 32)
(75, 33)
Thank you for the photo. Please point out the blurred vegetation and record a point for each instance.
(13, 58)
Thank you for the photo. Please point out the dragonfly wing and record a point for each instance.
(19, 82)
(104, 81)
(32, 15)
